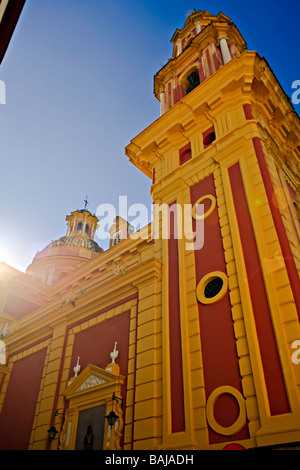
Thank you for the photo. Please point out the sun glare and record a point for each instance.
(7, 258)
(4, 256)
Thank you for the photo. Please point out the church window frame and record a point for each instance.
(205, 281)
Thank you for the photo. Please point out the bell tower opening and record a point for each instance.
(193, 80)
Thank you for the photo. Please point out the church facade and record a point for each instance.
(185, 334)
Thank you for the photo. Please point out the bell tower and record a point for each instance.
(227, 141)
(200, 48)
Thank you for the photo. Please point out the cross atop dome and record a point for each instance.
(85, 203)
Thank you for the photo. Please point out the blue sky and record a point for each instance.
(79, 86)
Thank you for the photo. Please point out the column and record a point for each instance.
(198, 27)
(224, 50)
(179, 47)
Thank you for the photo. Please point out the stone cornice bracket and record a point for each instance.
(247, 83)
(203, 112)
(174, 132)
(132, 151)
(151, 151)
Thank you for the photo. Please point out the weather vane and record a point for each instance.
(85, 203)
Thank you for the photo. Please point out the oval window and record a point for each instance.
(212, 287)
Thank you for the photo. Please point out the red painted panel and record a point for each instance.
(95, 344)
(177, 397)
(18, 307)
(89, 357)
(181, 92)
(201, 71)
(20, 402)
(219, 355)
(269, 355)
(282, 236)
(169, 95)
(217, 61)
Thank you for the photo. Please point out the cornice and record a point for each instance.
(89, 297)
(200, 104)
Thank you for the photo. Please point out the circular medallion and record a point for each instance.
(208, 211)
(241, 419)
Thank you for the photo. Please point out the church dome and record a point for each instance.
(67, 253)
(79, 241)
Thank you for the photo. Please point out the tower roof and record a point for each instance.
(204, 18)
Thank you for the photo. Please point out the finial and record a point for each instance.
(4, 331)
(77, 368)
(114, 354)
(85, 203)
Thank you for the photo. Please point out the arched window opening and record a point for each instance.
(185, 154)
(193, 81)
(79, 227)
(208, 137)
(87, 228)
